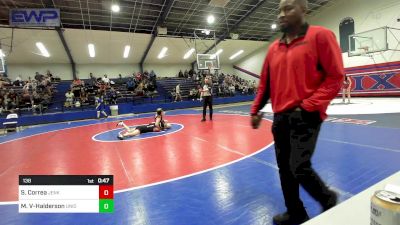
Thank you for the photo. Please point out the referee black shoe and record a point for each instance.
(290, 219)
(331, 202)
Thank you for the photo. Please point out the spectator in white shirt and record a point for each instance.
(69, 99)
(178, 93)
(105, 79)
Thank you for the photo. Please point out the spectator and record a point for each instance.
(219, 91)
(6, 79)
(139, 89)
(77, 82)
(245, 90)
(76, 86)
(254, 86)
(191, 72)
(34, 85)
(38, 76)
(2, 95)
(145, 87)
(113, 95)
(146, 75)
(27, 86)
(92, 80)
(36, 102)
(46, 99)
(77, 104)
(18, 78)
(150, 87)
(180, 74)
(120, 80)
(106, 80)
(102, 87)
(193, 94)
(153, 75)
(18, 81)
(138, 77)
(84, 96)
(25, 98)
(6, 101)
(12, 100)
(50, 75)
(130, 85)
(69, 99)
(178, 93)
(199, 89)
(232, 90)
(3, 82)
(48, 85)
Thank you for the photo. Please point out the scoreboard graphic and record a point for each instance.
(66, 194)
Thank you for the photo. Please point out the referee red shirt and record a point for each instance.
(306, 73)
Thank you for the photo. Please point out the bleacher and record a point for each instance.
(125, 95)
(162, 94)
(26, 107)
(167, 86)
(127, 102)
(59, 96)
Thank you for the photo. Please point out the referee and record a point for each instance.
(303, 71)
(206, 94)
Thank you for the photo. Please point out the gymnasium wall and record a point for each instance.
(112, 70)
(166, 70)
(375, 80)
(367, 15)
(251, 65)
(375, 75)
(228, 69)
(25, 59)
(64, 71)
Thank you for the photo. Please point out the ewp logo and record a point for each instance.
(35, 17)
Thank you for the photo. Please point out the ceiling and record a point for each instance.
(109, 47)
(251, 19)
(90, 21)
(24, 48)
(177, 47)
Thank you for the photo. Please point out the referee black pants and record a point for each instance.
(295, 134)
(207, 100)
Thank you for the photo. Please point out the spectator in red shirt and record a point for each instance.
(302, 73)
(138, 76)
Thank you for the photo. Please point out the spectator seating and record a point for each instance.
(168, 85)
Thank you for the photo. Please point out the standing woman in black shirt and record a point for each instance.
(206, 94)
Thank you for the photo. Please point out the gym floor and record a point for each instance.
(219, 172)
